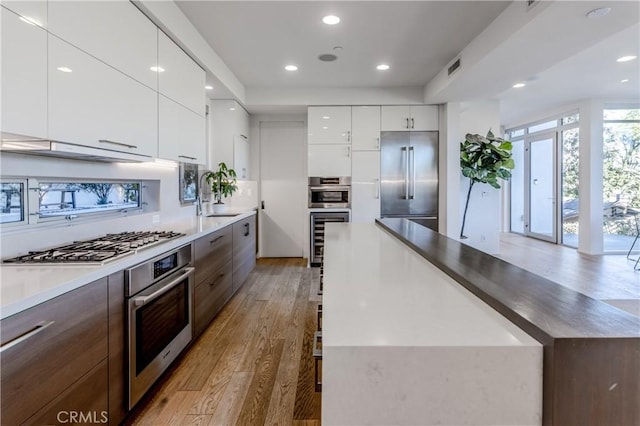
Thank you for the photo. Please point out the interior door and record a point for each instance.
(542, 187)
(283, 188)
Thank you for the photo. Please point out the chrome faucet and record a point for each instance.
(199, 196)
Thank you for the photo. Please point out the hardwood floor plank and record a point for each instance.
(228, 409)
(307, 402)
(254, 409)
(284, 390)
(195, 420)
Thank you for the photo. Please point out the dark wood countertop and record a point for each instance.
(591, 363)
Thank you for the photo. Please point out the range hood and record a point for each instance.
(26, 145)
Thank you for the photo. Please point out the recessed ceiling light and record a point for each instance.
(599, 12)
(232, 109)
(518, 85)
(325, 117)
(291, 68)
(330, 19)
(31, 21)
(626, 58)
(65, 69)
(382, 67)
(208, 87)
(324, 127)
(157, 69)
(624, 80)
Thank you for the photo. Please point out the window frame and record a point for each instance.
(24, 202)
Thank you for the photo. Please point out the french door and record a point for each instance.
(541, 187)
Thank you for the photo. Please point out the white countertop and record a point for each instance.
(379, 292)
(24, 286)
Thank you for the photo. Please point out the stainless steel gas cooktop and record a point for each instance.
(109, 247)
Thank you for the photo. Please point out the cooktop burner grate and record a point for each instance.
(98, 250)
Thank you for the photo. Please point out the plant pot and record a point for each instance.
(218, 207)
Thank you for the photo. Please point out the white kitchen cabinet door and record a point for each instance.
(329, 125)
(241, 157)
(329, 160)
(365, 186)
(181, 133)
(92, 104)
(23, 77)
(33, 12)
(181, 79)
(409, 117)
(365, 128)
(115, 32)
(424, 117)
(396, 117)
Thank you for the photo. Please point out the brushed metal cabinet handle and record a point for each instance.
(246, 233)
(37, 329)
(187, 157)
(348, 135)
(126, 145)
(217, 280)
(407, 122)
(215, 240)
(412, 122)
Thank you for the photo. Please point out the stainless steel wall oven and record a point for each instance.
(159, 296)
(330, 192)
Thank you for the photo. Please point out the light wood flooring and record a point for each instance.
(253, 364)
(604, 277)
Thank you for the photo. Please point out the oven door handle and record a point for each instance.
(139, 301)
(330, 188)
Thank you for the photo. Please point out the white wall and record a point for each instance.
(483, 222)
(19, 240)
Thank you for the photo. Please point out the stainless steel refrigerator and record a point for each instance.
(409, 176)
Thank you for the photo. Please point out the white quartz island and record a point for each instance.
(404, 344)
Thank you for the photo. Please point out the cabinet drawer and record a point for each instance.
(87, 396)
(211, 296)
(244, 250)
(39, 368)
(212, 252)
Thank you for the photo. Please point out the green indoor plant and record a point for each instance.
(222, 182)
(484, 159)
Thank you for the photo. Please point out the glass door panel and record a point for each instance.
(517, 188)
(542, 187)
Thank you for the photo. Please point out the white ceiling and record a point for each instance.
(565, 56)
(256, 39)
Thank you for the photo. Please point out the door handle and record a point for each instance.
(246, 231)
(412, 153)
(406, 172)
(262, 204)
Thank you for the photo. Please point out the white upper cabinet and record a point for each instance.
(230, 137)
(92, 104)
(365, 128)
(330, 125)
(411, 118)
(23, 76)
(33, 12)
(180, 78)
(329, 160)
(181, 133)
(365, 186)
(115, 32)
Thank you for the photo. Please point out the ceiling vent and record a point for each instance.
(453, 67)
(327, 57)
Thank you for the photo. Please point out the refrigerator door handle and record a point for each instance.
(406, 172)
(412, 154)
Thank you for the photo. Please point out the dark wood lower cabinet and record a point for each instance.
(211, 296)
(84, 402)
(47, 349)
(117, 336)
(244, 250)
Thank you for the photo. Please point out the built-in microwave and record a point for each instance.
(330, 192)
